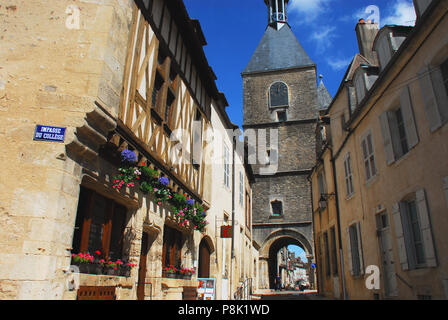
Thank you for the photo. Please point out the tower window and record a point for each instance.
(277, 208)
(278, 95)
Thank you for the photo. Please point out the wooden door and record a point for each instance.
(204, 260)
(142, 268)
(384, 238)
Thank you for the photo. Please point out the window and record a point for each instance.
(248, 211)
(327, 255)
(278, 95)
(433, 82)
(241, 193)
(348, 175)
(282, 116)
(360, 85)
(368, 156)
(444, 69)
(277, 208)
(321, 182)
(399, 129)
(334, 252)
(99, 226)
(226, 167)
(413, 232)
(355, 250)
(402, 140)
(172, 247)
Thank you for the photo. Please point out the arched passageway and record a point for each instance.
(271, 253)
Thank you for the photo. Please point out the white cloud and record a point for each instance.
(339, 64)
(402, 13)
(323, 38)
(308, 9)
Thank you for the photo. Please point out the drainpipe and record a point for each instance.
(338, 216)
(233, 215)
(314, 239)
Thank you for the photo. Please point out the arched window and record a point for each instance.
(278, 95)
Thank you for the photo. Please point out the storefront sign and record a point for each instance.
(49, 133)
(206, 289)
(226, 231)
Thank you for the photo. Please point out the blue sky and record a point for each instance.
(299, 252)
(325, 28)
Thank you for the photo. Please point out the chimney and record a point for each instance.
(366, 32)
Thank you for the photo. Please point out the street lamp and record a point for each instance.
(324, 199)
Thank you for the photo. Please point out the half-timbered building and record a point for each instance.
(127, 205)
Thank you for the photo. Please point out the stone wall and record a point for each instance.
(52, 71)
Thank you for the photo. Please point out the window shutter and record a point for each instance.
(425, 227)
(430, 100)
(408, 118)
(349, 252)
(445, 187)
(387, 138)
(400, 237)
(361, 258)
(438, 83)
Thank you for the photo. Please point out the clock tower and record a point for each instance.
(280, 97)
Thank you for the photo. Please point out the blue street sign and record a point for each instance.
(49, 133)
(313, 266)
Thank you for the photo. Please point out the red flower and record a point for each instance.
(98, 252)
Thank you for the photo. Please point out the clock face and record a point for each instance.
(278, 95)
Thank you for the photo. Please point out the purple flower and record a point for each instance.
(190, 201)
(164, 181)
(128, 156)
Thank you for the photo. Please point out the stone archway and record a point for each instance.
(271, 246)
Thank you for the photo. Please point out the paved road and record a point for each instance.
(289, 295)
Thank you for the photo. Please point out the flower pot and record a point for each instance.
(84, 267)
(170, 275)
(111, 271)
(95, 269)
(125, 271)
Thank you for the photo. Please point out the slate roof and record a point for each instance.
(323, 96)
(277, 50)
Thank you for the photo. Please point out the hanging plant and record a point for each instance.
(187, 212)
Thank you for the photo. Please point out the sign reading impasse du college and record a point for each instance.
(49, 133)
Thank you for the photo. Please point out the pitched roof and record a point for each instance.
(323, 96)
(277, 50)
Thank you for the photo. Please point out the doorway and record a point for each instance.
(142, 267)
(204, 259)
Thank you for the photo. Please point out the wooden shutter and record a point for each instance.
(387, 138)
(408, 118)
(438, 83)
(349, 252)
(430, 99)
(445, 187)
(361, 258)
(425, 228)
(399, 234)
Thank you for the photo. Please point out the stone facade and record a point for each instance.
(67, 66)
(281, 198)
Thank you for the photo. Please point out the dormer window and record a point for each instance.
(364, 78)
(388, 41)
(278, 95)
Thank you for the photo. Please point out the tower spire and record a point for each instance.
(277, 13)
